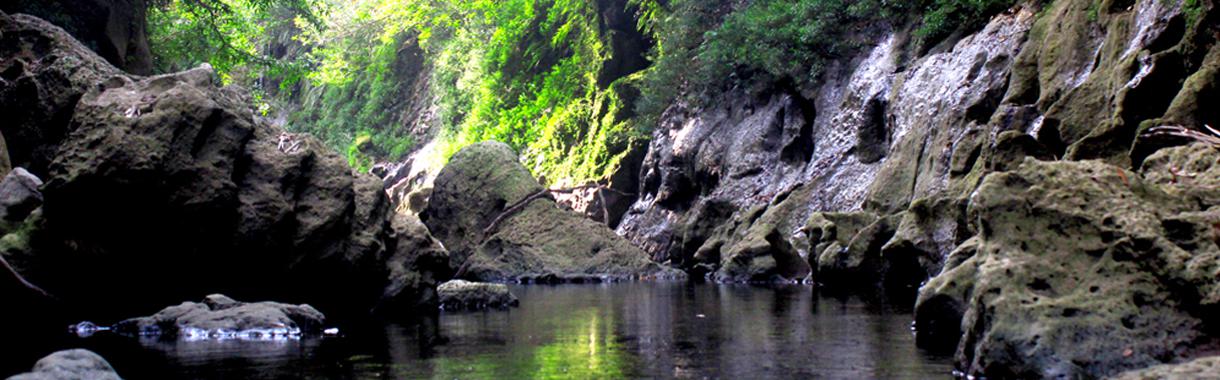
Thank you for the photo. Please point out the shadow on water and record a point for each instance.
(611, 331)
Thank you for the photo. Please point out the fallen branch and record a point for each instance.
(1212, 139)
(520, 205)
(17, 276)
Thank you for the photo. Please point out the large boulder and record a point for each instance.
(1081, 269)
(221, 317)
(169, 187)
(43, 73)
(536, 241)
(70, 364)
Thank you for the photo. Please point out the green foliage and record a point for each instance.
(519, 71)
(225, 34)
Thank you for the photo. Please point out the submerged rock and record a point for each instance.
(221, 317)
(466, 295)
(70, 364)
(539, 239)
(1080, 269)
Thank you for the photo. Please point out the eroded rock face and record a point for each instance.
(70, 364)
(1079, 269)
(541, 242)
(885, 129)
(169, 186)
(466, 295)
(221, 317)
(43, 73)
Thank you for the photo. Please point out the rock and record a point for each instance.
(466, 295)
(1202, 368)
(417, 263)
(19, 196)
(43, 73)
(115, 29)
(1079, 269)
(70, 364)
(172, 180)
(856, 263)
(221, 317)
(6, 164)
(540, 241)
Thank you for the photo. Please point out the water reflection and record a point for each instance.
(581, 332)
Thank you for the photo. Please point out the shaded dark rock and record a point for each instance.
(70, 364)
(173, 180)
(466, 295)
(43, 73)
(1011, 148)
(115, 29)
(221, 317)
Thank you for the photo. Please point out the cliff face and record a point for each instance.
(1012, 170)
(891, 132)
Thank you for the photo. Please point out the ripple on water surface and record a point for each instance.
(609, 331)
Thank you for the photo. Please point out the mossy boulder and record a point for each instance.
(457, 295)
(537, 242)
(1079, 269)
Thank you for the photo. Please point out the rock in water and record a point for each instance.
(171, 186)
(541, 241)
(1082, 269)
(466, 295)
(221, 317)
(70, 364)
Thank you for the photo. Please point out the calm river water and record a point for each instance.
(612, 331)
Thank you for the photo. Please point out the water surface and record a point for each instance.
(611, 331)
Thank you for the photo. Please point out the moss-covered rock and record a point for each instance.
(1080, 269)
(460, 295)
(537, 242)
(1202, 368)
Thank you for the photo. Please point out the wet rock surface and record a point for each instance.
(466, 295)
(173, 180)
(221, 317)
(70, 364)
(536, 241)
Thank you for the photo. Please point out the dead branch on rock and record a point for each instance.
(548, 193)
(20, 279)
(1212, 139)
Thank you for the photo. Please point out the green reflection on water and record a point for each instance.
(583, 348)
